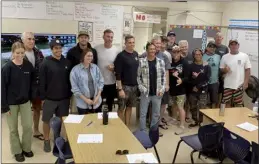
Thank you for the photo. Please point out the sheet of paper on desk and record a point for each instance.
(73, 118)
(247, 126)
(110, 115)
(90, 138)
(144, 157)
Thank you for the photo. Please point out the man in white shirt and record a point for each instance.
(106, 56)
(236, 68)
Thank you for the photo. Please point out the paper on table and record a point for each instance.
(90, 138)
(144, 157)
(110, 115)
(197, 33)
(73, 118)
(247, 126)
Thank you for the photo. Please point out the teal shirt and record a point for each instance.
(214, 62)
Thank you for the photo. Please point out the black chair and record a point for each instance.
(255, 153)
(235, 147)
(55, 125)
(149, 140)
(208, 139)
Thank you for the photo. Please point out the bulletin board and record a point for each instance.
(197, 36)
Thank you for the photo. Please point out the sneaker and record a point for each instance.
(28, 154)
(47, 147)
(174, 122)
(180, 130)
(19, 157)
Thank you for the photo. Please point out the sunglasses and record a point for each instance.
(122, 152)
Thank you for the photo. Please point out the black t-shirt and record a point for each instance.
(180, 67)
(152, 77)
(126, 67)
(221, 50)
(201, 81)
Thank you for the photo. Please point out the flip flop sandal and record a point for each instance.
(164, 121)
(163, 127)
(39, 136)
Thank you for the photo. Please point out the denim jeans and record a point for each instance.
(144, 103)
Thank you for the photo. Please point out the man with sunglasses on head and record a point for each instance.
(199, 75)
(165, 100)
(214, 61)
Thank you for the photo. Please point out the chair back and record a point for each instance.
(154, 133)
(55, 125)
(235, 147)
(210, 136)
(60, 142)
(255, 153)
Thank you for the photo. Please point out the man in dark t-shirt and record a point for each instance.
(126, 67)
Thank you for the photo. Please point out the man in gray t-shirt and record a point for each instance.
(221, 50)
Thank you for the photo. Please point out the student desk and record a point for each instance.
(233, 117)
(116, 136)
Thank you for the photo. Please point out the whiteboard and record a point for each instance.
(248, 40)
(103, 16)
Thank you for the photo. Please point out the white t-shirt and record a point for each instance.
(168, 55)
(31, 57)
(106, 56)
(237, 64)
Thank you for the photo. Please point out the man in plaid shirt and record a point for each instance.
(151, 83)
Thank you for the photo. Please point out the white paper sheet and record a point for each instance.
(90, 138)
(247, 126)
(144, 157)
(197, 33)
(73, 118)
(111, 115)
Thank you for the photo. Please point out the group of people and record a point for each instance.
(166, 76)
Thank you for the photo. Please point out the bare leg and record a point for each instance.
(128, 115)
(121, 114)
(162, 111)
(182, 116)
(36, 119)
(46, 131)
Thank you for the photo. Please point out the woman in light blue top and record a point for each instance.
(87, 85)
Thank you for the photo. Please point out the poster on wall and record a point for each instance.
(86, 26)
(127, 23)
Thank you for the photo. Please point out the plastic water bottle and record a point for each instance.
(222, 109)
(255, 108)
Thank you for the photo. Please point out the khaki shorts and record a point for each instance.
(179, 101)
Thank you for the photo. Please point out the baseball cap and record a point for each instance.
(83, 33)
(233, 40)
(55, 42)
(171, 33)
(211, 44)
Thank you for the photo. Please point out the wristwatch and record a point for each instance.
(119, 89)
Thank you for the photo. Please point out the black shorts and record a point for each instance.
(165, 98)
(213, 90)
(59, 108)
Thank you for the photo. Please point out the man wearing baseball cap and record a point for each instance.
(74, 54)
(55, 89)
(171, 36)
(236, 67)
(213, 60)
